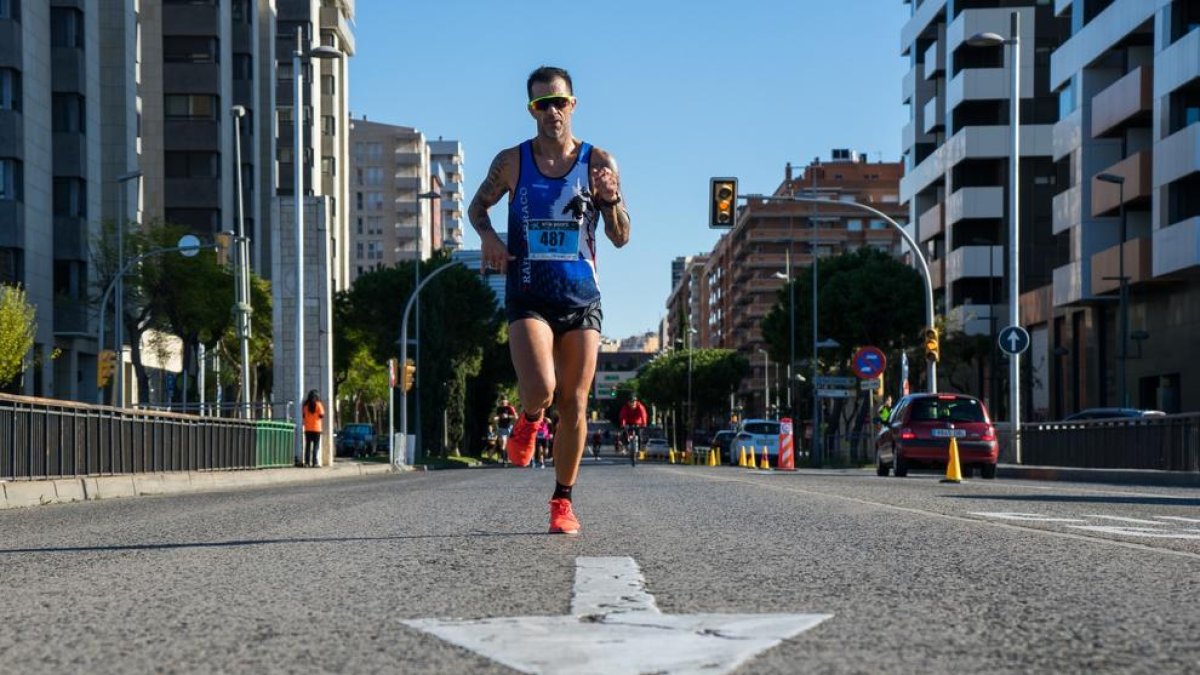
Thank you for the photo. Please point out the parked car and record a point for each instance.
(721, 442)
(656, 447)
(918, 433)
(355, 440)
(757, 433)
(1111, 413)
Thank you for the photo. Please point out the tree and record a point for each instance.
(364, 392)
(18, 320)
(715, 375)
(460, 327)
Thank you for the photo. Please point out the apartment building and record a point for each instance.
(1128, 83)
(1108, 175)
(394, 213)
(448, 155)
(727, 299)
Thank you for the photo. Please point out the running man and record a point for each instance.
(558, 188)
(506, 416)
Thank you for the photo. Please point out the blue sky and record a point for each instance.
(677, 91)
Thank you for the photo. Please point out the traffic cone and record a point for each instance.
(742, 456)
(751, 461)
(712, 457)
(953, 470)
(766, 464)
(670, 455)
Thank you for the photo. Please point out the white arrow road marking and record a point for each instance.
(615, 627)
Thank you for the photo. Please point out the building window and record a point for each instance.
(11, 262)
(328, 125)
(328, 86)
(199, 220)
(68, 113)
(10, 89)
(358, 250)
(186, 49)
(1185, 106)
(328, 165)
(243, 12)
(360, 225)
(190, 106)
(283, 153)
(1185, 18)
(243, 67)
(358, 200)
(66, 27)
(374, 201)
(70, 197)
(180, 164)
(284, 70)
(9, 9)
(328, 39)
(10, 179)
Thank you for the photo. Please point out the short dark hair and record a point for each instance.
(546, 74)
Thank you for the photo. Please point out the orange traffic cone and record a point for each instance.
(712, 457)
(766, 464)
(953, 470)
(742, 456)
(751, 461)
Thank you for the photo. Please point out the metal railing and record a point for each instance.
(46, 438)
(1165, 443)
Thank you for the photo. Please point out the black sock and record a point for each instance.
(562, 491)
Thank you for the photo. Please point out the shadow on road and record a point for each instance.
(1086, 499)
(262, 542)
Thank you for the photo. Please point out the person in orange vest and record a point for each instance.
(314, 415)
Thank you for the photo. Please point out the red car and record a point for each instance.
(919, 430)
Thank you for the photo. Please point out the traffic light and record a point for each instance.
(932, 348)
(722, 204)
(106, 365)
(410, 373)
(223, 240)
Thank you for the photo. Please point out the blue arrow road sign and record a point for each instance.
(1013, 339)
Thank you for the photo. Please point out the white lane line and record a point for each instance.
(610, 585)
(1122, 519)
(781, 487)
(1180, 519)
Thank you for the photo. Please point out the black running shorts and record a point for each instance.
(560, 319)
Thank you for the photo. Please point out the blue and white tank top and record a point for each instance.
(552, 234)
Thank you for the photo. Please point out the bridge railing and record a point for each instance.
(47, 438)
(1166, 443)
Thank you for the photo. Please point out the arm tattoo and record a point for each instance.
(616, 224)
(489, 193)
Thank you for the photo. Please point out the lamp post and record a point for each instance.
(119, 328)
(1123, 309)
(298, 58)
(242, 307)
(766, 383)
(1014, 218)
(786, 275)
(691, 416)
(979, 241)
(420, 255)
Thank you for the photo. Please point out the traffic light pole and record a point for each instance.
(404, 352)
(923, 266)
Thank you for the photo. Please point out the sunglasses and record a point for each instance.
(558, 101)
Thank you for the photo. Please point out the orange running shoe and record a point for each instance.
(562, 518)
(523, 440)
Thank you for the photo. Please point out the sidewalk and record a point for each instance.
(17, 494)
(1107, 476)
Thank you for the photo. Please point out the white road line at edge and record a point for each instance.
(961, 519)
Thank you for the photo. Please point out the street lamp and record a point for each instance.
(420, 254)
(786, 276)
(766, 383)
(1014, 219)
(243, 265)
(691, 417)
(119, 329)
(980, 241)
(298, 58)
(1122, 353)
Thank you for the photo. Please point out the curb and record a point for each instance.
(26, 493)
(1109, 476)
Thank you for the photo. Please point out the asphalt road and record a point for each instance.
(985, 576)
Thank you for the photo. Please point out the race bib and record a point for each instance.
(553, 240)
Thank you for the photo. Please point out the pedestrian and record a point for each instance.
(885, 410)
(559, 187)
(314, 415)
(506, 416)
(543, 442)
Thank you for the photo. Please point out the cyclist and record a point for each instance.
(633, 418)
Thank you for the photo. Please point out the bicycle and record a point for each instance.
(634, 444)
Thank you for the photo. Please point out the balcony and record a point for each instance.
(935, 59)
(975, 202)
(1135, 169)
(1067, 209)
(975, 319)
(935, 115)
(1127, 102)
(974, 84)
(1177, 155)
(70, 316)
(406, 207)
(405, 157)
(1107, 263)
(408, 183)
(1068, 282)
(937, 273)
(931, 223)
(1177, 247)
(972, 262)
